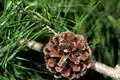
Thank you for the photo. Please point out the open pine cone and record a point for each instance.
(67, 55)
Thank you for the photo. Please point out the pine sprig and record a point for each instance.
(34, 19)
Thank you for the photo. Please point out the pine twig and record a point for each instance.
(33, 45)
(98, 67)
(106, 70)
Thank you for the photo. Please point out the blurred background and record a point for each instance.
(97, 20)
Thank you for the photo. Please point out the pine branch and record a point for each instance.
(106, 70)
(99, 67)
(33, 45)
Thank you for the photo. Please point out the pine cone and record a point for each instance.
(67, 55)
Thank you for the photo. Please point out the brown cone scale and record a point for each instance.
(68, 55)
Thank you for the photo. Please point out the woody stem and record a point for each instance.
(98, 67)
(106, 70)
